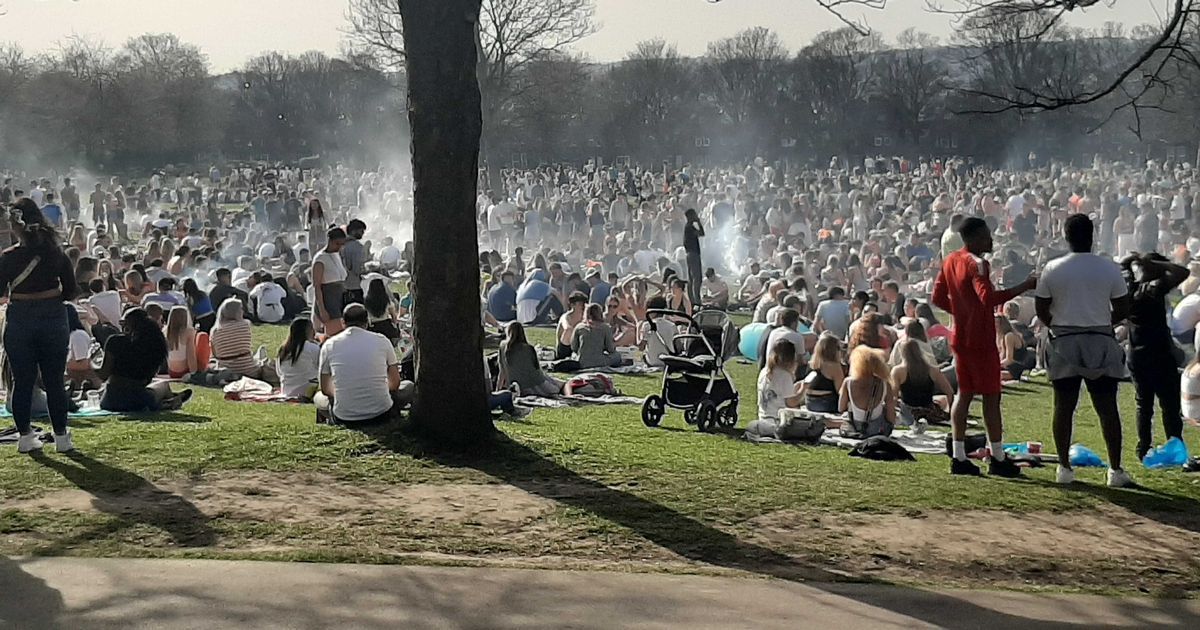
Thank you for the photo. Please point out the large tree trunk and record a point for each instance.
(444, 113)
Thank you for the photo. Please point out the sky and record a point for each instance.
(231, 31)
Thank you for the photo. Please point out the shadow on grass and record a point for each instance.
(520, 466)
(152, 418)
(130, 498)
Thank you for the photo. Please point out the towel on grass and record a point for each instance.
(82, 413)
(559, 402)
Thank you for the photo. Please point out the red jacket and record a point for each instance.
(964, 289)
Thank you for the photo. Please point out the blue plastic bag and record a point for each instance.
(1173, 454)
(1082, 456)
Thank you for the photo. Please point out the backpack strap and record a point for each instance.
(24, 274)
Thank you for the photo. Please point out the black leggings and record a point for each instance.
(1157, 379)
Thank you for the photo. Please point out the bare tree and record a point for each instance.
(651, 96)
(837, 77)
(746, 68)
(512, 34)
(911, 79)
(1134, 82)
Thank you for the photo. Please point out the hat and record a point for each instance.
(592, 273)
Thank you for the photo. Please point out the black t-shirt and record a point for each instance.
(691, 237)
(52, 271)
(1026, 228)
(132, 360)
(1149, 334)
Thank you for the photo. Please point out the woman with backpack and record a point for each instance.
(867, 395)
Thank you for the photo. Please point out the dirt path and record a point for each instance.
(280, 514)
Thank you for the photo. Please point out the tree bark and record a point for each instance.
(444, 114)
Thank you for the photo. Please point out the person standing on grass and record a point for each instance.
(964, 289)
(37, 278)
(693, 231)
(1153, 356)
(1081, 297)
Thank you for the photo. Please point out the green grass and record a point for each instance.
(631, 490)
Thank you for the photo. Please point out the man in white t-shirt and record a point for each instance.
(360, 374)
(1081, 296)
(267, 297)
(389, 255)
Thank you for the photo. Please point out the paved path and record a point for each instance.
(49, 593)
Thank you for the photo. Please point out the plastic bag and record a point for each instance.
(1170, 455)
(1083, 456)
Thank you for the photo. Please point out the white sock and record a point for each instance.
(998, 451)
(960, 450)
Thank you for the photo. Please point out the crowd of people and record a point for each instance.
(849, 266)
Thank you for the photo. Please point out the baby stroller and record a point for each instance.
(694, 377)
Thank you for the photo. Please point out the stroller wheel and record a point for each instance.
(727, 417)
(706, 416)
(653, 410)
(689, 416)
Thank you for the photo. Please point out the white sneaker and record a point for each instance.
(63, 444)
(1119, 479)
(1065, 476)
(29, 443)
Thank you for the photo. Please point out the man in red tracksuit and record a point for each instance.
(964, 289)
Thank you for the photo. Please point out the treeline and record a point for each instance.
(155, 101)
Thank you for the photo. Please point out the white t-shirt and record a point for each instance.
(296, 378)
(108, 305)
(1186, 314)
(269, 299)
(79, 347)
(787, 334)
(334, 270)
(358, 360)
(1015, 205)
(657, 342)
(1081, 287)
(266, 250)
(389, 257)
(774, 388)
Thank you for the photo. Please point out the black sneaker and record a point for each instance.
(1003, 468)
(964, 467)
(1141, 451)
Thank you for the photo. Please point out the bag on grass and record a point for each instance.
(799, 425)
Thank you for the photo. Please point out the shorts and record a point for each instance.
(1101, 385)
(980, 374)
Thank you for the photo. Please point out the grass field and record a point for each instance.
(593, 487)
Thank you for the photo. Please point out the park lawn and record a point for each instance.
(595, 488)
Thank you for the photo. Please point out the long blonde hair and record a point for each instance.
(867, 362)
(178, 320)
(826, 351)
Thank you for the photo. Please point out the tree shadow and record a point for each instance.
(28, 601)
(132, 499)
(518, 465)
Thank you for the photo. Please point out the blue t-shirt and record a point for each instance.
(600, 293)
(502, 302)
(53, 213)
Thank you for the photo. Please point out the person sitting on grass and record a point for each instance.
(131, 363)
(592, 341)
(519, 364)
(820, 388)
(381, 310)
(231, 344)
(182, 358)
(80, 374)
(925, 392)
(657, 342)
(777, 388)
(867, 394)
(360, 374)
(298, 361)
(576, 305)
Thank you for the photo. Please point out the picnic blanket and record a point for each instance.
(559, 402)
(11, 436)
(926, 443)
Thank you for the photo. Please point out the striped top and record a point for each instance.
(231, 346)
